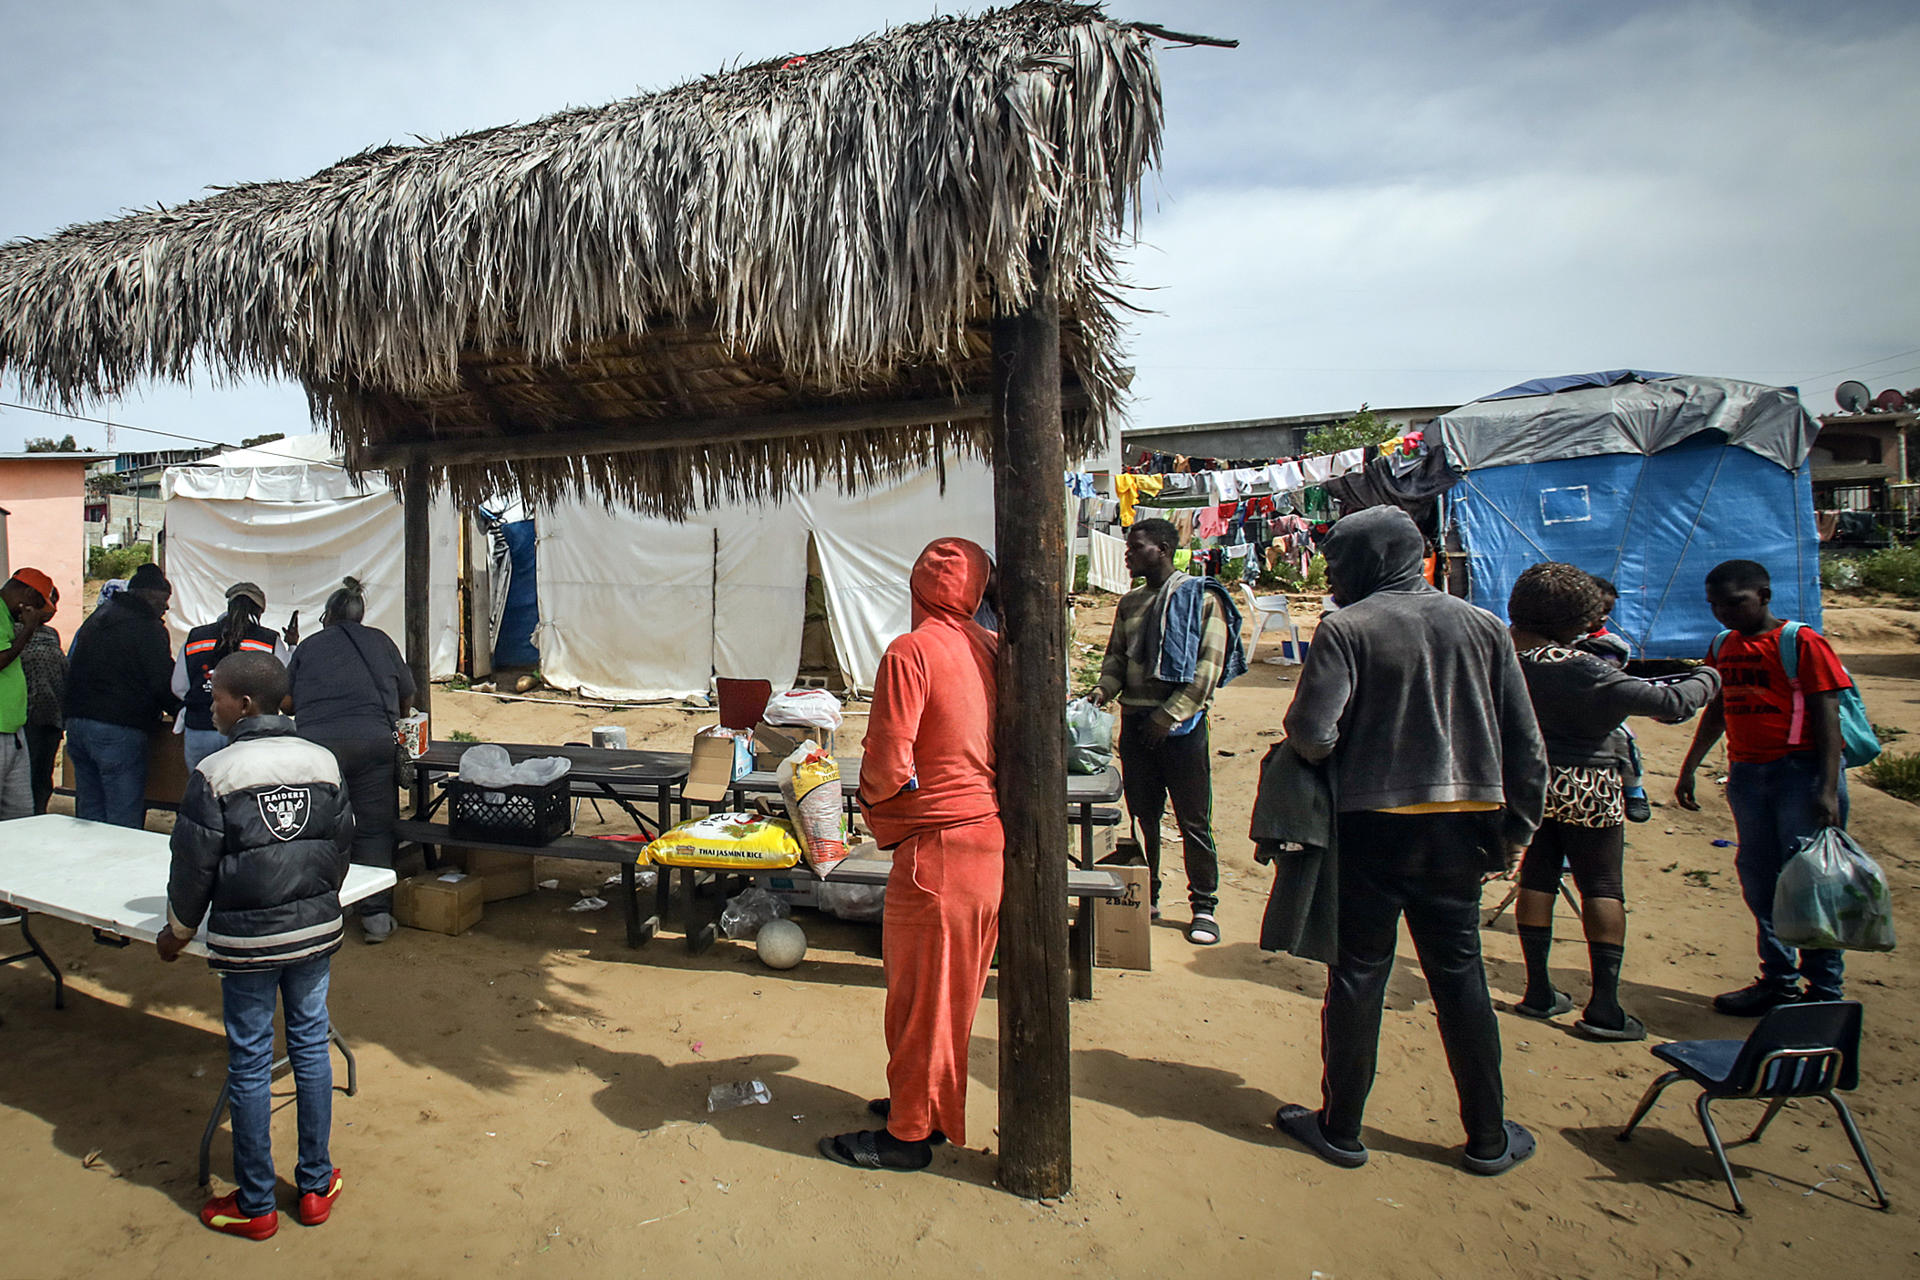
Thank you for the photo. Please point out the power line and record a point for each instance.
(1898, 355)
(155, 431)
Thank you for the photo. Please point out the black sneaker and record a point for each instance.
(1757, 997)
(1638, 810)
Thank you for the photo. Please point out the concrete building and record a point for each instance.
(1862, 462)
(45, 496)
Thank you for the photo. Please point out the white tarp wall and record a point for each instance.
(639, 608)
(284, 516)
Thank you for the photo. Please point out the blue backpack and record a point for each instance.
(1859, 744)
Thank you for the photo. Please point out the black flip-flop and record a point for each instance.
(1633, 1030)
(1562, 1003)
(1302, 1124)
(861, 1150)
(883, 1108)
(1520, 1145)
(1204, 931)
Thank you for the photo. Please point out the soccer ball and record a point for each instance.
(782, 944)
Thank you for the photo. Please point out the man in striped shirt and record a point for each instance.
(1175, 641)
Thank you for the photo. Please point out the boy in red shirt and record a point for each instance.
(1784, 781)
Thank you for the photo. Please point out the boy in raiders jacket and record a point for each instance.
(260, 851)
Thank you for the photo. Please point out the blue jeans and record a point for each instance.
(109, 772)
(1772, 806)
(201, 743)
(247, 1000)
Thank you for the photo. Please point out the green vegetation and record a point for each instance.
(1362, 429)
(1898, 776)
(1080, 564)
(1893, 571)
(47, 444)
(461, 735)
(117, 562)
(1287, 576)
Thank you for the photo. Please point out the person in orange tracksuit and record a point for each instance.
(927, 787)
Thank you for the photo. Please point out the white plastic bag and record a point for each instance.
(1089, 737)
(804, 708)
(864, 902)
(486, 766)
(1832, 895)
(539, 772)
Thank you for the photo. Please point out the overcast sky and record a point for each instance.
(1396, 201)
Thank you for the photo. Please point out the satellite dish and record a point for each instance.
(1889, 401)
(1852, 397)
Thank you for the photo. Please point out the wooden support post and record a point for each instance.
(1029, 459)
(416, 496)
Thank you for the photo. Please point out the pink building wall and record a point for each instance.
(45, 500)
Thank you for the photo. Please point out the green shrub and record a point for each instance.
(1839, 573)
(1893, 570)
(461, 735)
(1080, 573)
(117, 562)
(1898, 776)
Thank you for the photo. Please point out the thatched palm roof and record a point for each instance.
(761, 278)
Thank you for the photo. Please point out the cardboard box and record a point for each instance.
(1123, 927)
(719, 756)
(166, 768)
(449, 902)
(775, 742)
(501, 875)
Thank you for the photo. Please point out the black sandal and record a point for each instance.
(883, 1108)
(861, 1150)
(1302, 1124)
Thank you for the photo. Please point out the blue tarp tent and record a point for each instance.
(1646, 479)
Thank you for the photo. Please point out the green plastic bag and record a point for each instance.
(1089, 737)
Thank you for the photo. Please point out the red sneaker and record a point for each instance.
(315, 1206)
(223, 1214)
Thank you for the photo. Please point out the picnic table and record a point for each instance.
(115, 879)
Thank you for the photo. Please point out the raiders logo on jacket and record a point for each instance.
(260, 849)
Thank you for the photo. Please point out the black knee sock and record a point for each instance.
(1536, 942)
(1603, 1009)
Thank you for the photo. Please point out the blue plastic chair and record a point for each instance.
(1797, 1051)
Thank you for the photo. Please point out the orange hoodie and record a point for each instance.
(933, 705)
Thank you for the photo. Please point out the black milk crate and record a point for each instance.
(521, 814)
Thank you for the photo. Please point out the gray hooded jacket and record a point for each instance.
(1418, 697)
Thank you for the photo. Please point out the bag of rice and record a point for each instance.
(734, 841)
(810, 784)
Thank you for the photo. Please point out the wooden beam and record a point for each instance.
(416, 496)
(640, 435)
(1029, 457)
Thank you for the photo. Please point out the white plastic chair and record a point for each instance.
(1272, 613)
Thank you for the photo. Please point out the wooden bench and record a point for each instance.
(1084, 887)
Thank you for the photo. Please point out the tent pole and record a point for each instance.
(415, 498)
(1029, 459)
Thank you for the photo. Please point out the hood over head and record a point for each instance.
(1378, 549)
(948, 580)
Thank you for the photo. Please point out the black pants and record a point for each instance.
(43, 744)
(1178, 770)
(373, 790)
(1427, 866)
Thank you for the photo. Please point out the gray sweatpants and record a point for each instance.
(16, 776)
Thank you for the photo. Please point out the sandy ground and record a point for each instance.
(532, 1095)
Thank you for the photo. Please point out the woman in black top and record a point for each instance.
(1580, 700)
(349, 685)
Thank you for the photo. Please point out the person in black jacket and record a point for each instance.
(1581, 700)
(260, 851)
(119, 677)
(349, 685)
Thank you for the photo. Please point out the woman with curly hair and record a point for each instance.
(1580, 700)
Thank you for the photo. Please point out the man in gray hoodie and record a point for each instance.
(1417, 702)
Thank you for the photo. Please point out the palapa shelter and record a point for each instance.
(827, 266)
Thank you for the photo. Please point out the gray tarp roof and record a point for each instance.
(1629, 417)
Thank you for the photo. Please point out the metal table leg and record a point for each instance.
(35, 950)
(226, 1094)
(1080, 950)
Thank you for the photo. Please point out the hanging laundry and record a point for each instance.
(1080, 484)
(1129, 489)
(1209, 523)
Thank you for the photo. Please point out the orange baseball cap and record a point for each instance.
(43, 584)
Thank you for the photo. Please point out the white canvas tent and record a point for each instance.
(642, 608)
(631, 607)
(287, 516)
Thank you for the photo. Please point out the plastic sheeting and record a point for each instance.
(639, 608)
(297, 527)
(1654, 525)
(1628, 417)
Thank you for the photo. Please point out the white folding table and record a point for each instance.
(115, 879)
